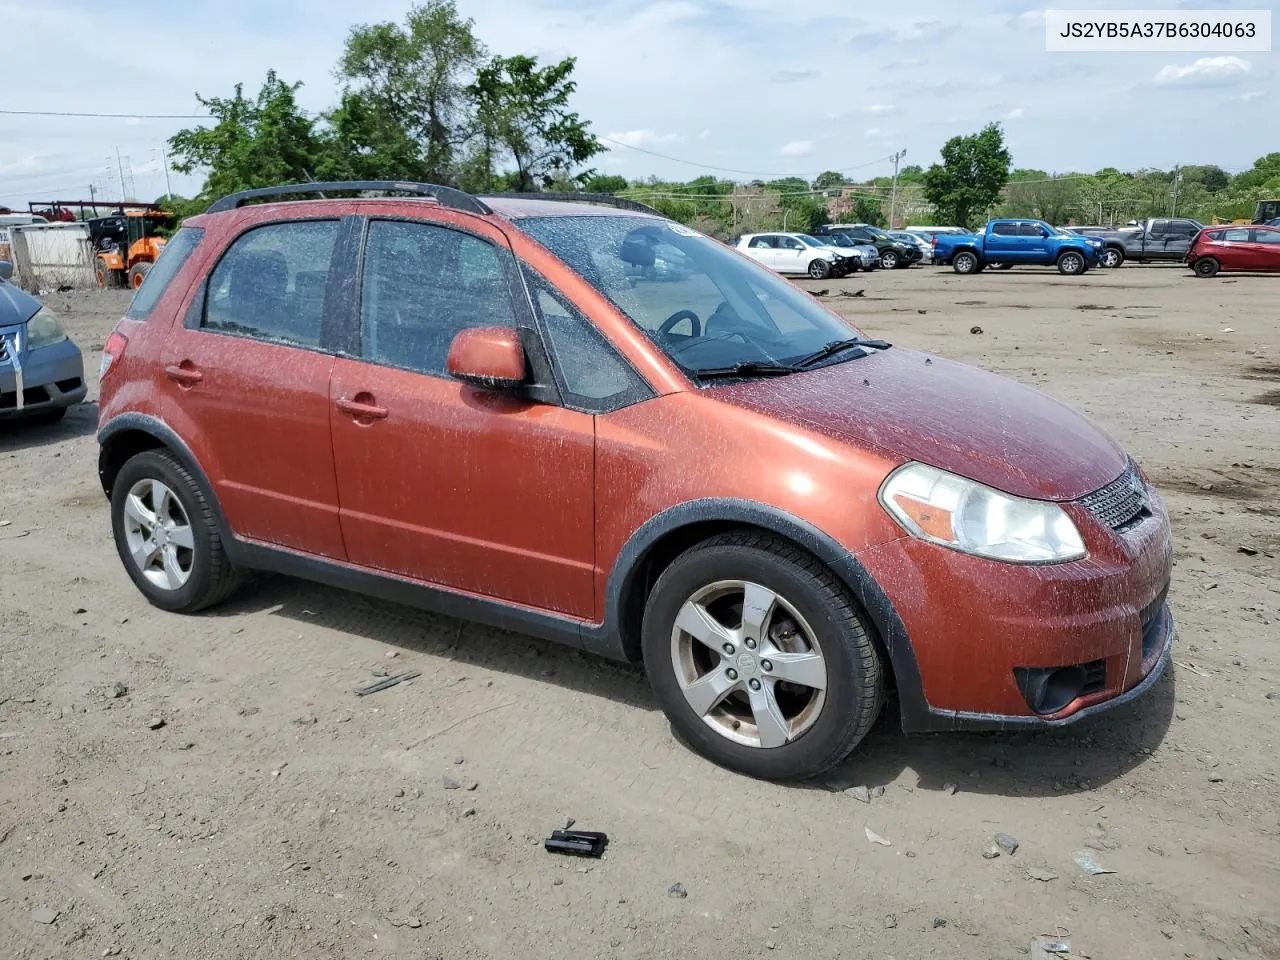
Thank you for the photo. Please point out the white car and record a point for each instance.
(796, 254)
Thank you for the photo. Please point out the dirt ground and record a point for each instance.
(277, 815)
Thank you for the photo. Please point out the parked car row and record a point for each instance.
(799, 254)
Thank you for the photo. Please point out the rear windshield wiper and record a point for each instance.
(747, 368)
(835, 346)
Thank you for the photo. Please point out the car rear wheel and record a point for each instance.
(965, 262)
(760, 659)
(165, 533)
(819, 269)
(1071, 264)
(1112, 257)
(1207, 267)
(889, 260)
(137, 274)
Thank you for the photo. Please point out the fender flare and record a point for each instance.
(166, 437)
(607, 638)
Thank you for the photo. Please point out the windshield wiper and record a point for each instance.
(835, 346)
(747, 368)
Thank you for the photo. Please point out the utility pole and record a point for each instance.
(93, 199)
(893, 195)
(1177, 182)
(120, 170)
(164, 158)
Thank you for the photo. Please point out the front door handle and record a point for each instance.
(184, 374)
(361, 408)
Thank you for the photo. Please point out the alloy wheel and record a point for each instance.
(1111, 257)
(158, 533)
(748, 664)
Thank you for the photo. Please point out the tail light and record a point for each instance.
(112, 351)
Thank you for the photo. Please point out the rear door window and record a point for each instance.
(1030, 230)
(270, 285)
(162, 272)
(1005, 229)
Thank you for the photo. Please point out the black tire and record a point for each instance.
(212, 578)
(889, 260)
(965, 261)
(1112, 257)
(819, 269)
(1206, 267)
(1004, 266)
(854, 672)
(137, 274)
(1071, 263)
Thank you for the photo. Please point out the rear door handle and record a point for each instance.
(183, 375)
(361, 410)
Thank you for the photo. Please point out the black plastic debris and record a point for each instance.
(388, 682)
(576, 843)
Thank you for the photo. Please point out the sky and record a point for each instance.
(736, 88)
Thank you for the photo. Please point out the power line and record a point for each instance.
(755, 173)
(108, 116)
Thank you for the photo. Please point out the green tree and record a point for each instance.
(1054, 199)
(973, 171)
(1212, 177)
(866, 210)
(408, 84)
(366, 141)
(604, 183)
(1265, 171)
(252, 143)
(828, 180)
(523, 115)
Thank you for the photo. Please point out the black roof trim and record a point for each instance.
(446, 196)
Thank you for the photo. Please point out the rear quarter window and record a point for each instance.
(175, 254)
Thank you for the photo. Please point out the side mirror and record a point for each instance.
(489, 357)
(6, 270)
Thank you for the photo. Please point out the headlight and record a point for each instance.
(965, 515)
(44, 330)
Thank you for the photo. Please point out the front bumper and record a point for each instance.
(970, 626)
(36, 381)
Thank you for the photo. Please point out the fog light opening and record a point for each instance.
(1049, 690)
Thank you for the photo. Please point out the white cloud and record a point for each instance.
(874, 133)
(797, 148)
(1203, 71)
(643, 138)
(881, 108)
(1250, 96)
(1030, 20)
(705, 134)
(1017, 113)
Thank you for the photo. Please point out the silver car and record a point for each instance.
(41, 370)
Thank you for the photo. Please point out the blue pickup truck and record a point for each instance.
(1005, 243)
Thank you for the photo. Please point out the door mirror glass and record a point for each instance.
(6, 270)
(489, 357)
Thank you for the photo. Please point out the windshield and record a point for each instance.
(721, 311)
(810, 241)
(842, 240)
(877, 234)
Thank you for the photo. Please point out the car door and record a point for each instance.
(1178, 239)
(485, 492)
(1235, 252)
(1266, 246)
(1002, 243)
(761, 250)
(1033, 240)
(791, 255)
(247, 384)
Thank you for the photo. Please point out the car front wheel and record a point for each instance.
(889, 260)
(819, 269)
(165, 533)
(965, 262)
(760, 659)
(1071, 264)
(1112, 257)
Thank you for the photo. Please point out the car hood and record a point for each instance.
(16, 306)
(959, 418)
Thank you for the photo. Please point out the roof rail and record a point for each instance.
(608, 199)
(445, 196)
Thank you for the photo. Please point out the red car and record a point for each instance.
(576, 419)
(1254, 248)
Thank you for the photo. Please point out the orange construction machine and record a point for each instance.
(126, 244)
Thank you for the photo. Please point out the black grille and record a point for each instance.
(1122, 502)
(66, 386)
(29, 396)
(1095, 677)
